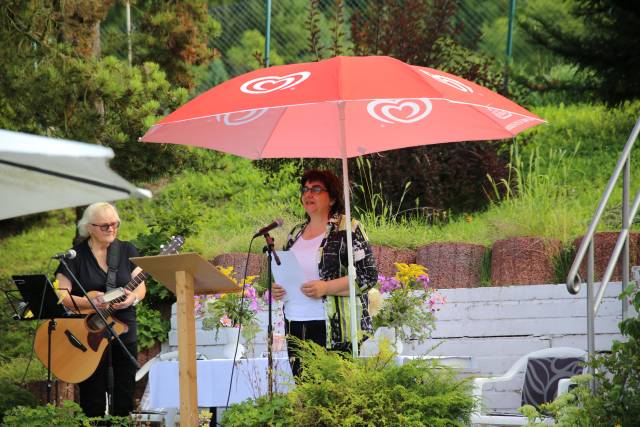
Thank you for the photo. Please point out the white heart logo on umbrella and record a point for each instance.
(511, 126)
(269, 84)
(399, 110)
(449, 82)
(241, 118)
(499, 113)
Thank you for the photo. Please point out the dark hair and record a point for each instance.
(331, 182)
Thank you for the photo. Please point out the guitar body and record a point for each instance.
(77, 345)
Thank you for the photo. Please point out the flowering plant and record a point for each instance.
(406, 302)
(231, 310)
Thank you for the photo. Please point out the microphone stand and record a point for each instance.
(271, 255)
(112, 334)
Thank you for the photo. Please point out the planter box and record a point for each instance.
(386, 256)
(603, 248)
(238, 261)
(452, 265)
(523, 261)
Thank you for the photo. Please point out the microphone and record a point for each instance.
(264, 230)
(70, 254)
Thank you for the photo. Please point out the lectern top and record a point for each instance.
(207, 278)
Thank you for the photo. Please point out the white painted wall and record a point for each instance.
(494, 326)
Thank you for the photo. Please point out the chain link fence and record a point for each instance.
(481, 27)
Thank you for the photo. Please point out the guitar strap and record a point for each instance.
(113, 259)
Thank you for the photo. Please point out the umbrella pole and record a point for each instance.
(348, 231)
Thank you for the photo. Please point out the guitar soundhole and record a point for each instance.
(95, 323)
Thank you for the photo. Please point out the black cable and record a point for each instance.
(235, 353)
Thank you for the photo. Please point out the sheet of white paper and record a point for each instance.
(289, 275)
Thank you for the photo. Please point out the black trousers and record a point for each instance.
(307, 330)
(94, 388)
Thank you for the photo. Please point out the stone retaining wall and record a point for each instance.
(514, 261)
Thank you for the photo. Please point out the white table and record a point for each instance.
(249, 381)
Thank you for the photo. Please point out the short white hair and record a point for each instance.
(90, 213)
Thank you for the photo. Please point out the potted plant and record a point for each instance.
(404, 305)
(231, 313)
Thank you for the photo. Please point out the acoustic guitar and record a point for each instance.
(77, 345)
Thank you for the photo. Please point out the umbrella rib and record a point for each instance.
(494, 119)
(273, 129)
(66, 176)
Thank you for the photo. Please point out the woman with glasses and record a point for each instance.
(320, 246)
(98, 228)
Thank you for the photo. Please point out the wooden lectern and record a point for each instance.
(186, 275)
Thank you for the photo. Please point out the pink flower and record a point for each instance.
(265, 296)
(388, 284)
(250, 292)
(425, 281)
(226, 321)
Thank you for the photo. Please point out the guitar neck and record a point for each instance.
(131, 286)
(135, 282)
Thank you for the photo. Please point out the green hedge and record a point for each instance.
(336, 390)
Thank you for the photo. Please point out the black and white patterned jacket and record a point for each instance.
(332, 264)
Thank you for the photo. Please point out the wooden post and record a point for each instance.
(185, 275)
(186, 350)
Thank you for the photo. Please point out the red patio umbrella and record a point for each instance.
(340, 108)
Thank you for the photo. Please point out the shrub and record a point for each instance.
(336, 390)
(12, 395)
(151, 327)
(618, 373)
(275, 412)
(67, 415)
(339, 391)
(149, 244)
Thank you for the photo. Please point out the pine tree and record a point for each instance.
(606, 43)
(57, 81)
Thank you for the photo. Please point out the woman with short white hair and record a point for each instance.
(98, 229)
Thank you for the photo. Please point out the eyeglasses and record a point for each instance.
(316, 189)
(106, 227)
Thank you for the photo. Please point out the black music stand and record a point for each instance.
(40, 302)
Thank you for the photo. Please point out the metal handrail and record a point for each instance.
(623, 162)
(622, 244)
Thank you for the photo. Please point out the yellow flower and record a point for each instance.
(409, 272)
(204, 417)
(228, 271)
(56, 287)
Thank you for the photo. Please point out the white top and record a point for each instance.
(306, 252)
